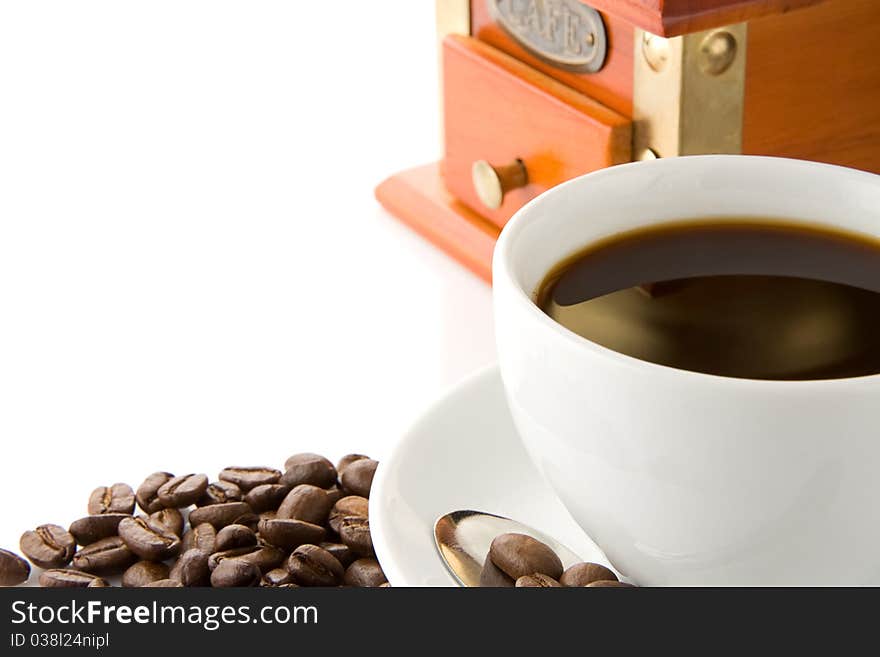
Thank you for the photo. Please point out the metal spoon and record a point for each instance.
(463, 539)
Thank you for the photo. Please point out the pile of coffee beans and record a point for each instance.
(525, 562)
(307, 525)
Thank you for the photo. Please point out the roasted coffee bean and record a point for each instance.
(266, 557)
(609, 584)
(93, 528)
(347, 460)
(201, 537)
(365, 573)
(13, 569)
(354, 531)
(144, 572)
(234, 536)
(219, 557)
(220, 492)
(266, 497)
(305, 502)
(108, 556)
(493, 577)
(308, 468)
(518, 555)
(581, 574)
(218, 515)
(118, 498)
(249, 520)
(163, 584)
(183, 490)
(67, 578)
(334, 494)
(341, 551)
(386, 585)
(148, 492)
(268, 515)
(247, 478)
(537, 581)
(352, 505)
(169, 519)
(48, 546)
(191, 569)
(149, 541)
(235, 572)
(290, 534)
(277, 577)
(313, 566)
(358, 477)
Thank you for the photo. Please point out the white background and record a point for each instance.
(193, 270)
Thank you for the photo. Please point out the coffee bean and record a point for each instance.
(108, 556)
(183, 490)
(218, 557)
(144, 572)
(151, 542)
(347, 460)
(93, 528)
(277, 577)
(13, 569)
(249, 520)
(247, 478)
(358, 476)
(118, 498)
(341, 551)
(305, 502)
(220, 492)
(191, 569)
(352, 505)
(365, 573)
(492, 576)
(609, 584)
(219, 515)
(235, 572)
(266, 558)
(148, 492)
(201, 537)
(66, 578)
(581, 574)
(313, 566)
(334, 494)
(163, 584)
(48, 546)
(537, 580)
(266, 497)
(308, 468)
(386, 585)
(518, 555)
(289, 534)
(354, 531)
(234, 536)
(268, 515)
(169, 519)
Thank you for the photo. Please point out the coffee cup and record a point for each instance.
(681, 477)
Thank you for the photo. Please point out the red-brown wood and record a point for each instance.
(419, 199)
(498, 109)
(813, 85)
(611, 86)
(674, 17)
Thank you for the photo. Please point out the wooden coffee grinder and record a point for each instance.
(536, 92)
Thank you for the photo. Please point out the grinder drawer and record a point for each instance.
(512, 132)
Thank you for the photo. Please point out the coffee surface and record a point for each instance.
(738, 298)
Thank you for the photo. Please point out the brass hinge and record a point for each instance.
(688, 92)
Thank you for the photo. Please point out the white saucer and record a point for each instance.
(463, 453)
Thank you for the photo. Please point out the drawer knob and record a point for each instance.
(492, 183)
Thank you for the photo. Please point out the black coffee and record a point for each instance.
(729, 297)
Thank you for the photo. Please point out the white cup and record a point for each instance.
(683, 477)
